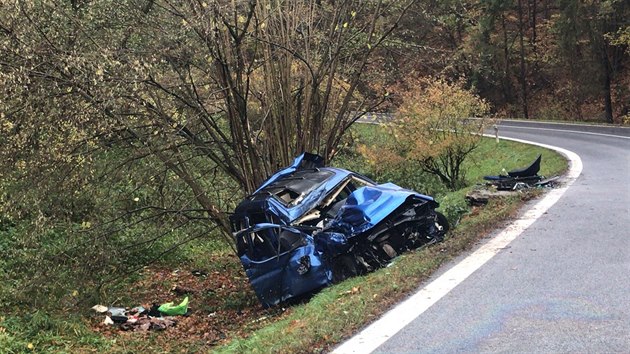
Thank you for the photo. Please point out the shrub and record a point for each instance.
(435, 130)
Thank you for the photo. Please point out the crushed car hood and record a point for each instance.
(368, 206)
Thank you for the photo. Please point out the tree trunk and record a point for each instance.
(507, 85)
(607, 80)
(523, 74)
(532, 16)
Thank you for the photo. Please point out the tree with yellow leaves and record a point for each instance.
(439, 125)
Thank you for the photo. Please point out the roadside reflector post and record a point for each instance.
(496, 133)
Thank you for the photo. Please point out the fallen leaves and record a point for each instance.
(352, 291)
(222, 304)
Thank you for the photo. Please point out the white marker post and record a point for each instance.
(496, 133)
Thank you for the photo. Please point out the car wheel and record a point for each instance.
(344, 267)
(389, 250)
(442, 223)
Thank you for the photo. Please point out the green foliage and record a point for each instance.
(79, 245)
(620, 38)
(40, 332)
(355, 157)
(435, 131)
(569, 48)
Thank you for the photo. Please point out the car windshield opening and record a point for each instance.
(290, 190)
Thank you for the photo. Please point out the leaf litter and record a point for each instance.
(222, 305)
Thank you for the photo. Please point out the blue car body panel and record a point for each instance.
(288, 214)
(368, 206)
(277, 278)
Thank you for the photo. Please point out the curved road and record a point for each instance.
(563, 285)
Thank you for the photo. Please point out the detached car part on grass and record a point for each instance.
(309, 226)
(521, 178)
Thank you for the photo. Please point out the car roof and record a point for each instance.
(303, 182)
(268, 199)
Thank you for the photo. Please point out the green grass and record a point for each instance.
(46, 333)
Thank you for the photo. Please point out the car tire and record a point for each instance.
(389, 250)
(442, 221)
(343, 267)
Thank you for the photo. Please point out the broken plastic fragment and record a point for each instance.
(117, 311)
(118, 314)
(99, 308)
(108, 321)
(170, 309)
(138, 310)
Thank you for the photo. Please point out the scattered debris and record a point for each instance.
(517, 179)
(481, 196)
(260, 319)
(141, 319)
(154, 312)
(506, 184)
(198, 273)
(225, 278)
(138, 310)
(148, 324)
(117, 314)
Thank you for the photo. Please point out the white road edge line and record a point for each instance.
(566, 131)
(397, 318)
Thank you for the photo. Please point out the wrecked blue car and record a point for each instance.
(309, 226)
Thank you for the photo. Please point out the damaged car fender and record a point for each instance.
(332, 244)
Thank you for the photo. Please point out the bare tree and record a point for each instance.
(245, 85)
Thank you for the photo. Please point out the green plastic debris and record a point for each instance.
(171, 310)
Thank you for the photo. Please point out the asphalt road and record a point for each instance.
(563, 285)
